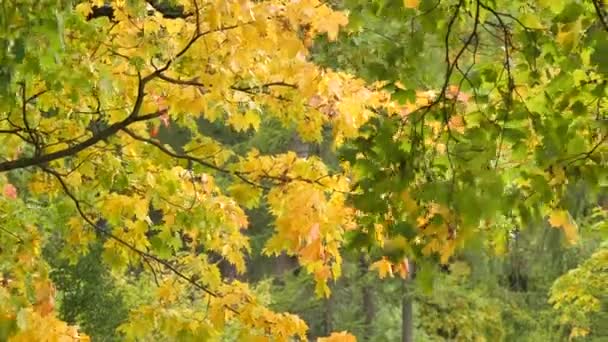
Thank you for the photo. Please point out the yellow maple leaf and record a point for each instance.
(383, 266)
(562, 219)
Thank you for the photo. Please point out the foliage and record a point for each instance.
(134, 125)
(581, 293)
(82, 117)
(88, 297)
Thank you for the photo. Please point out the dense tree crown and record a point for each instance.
(452, 127)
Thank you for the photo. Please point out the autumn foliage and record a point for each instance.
(91, 87)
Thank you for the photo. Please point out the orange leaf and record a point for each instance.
(411, 3)
(561, 219)
(404, 268)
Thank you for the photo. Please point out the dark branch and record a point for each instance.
(144, 255)
(600, 14)
(167, 10)
(586, 155)
(108, 132)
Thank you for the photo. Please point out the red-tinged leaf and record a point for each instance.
(10, 191)
(154, 131)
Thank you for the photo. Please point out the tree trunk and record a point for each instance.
(369, 309)
(327, 321)
(407, 309)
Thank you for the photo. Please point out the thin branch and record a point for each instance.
(170, 153)
(153, 271)
(28, 129)
(144, 255)
(17, 237)
(197, 35)
(11, 131)
(600, 15)
(587, 154)
(510, 79)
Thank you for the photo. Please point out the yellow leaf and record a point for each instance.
(409, 203)
(404, 268)
(167, 292)
(411, 3)
(579, 332)
(140, 208)
(568, 34)
(84, 9)
(562, 219)
(532, 21)
(384, 268)
(252, 119)
(74, 179)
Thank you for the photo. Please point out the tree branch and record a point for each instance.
(108, 132)
(199, 161)
(167, 10)
(600, 15)
(144, 255)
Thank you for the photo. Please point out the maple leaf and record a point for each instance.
(562, 219)
(384, 267)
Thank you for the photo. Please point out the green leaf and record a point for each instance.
(532, 21)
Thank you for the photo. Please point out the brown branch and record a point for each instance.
(249, 90)
(10, 131)
(197, 35)
(265, 85)
(108, 132)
